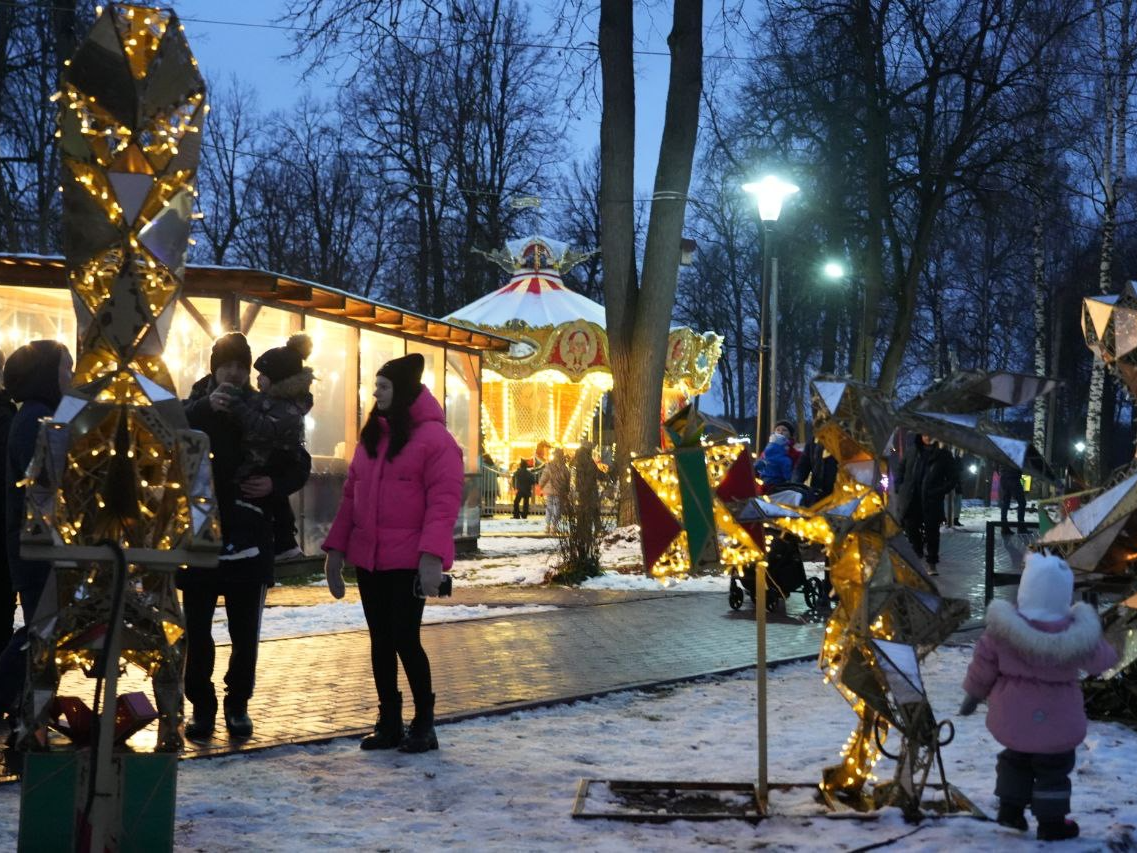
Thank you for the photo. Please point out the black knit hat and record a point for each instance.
(406, 376)
(280, 363)
(232, 346)
(32, 372)
(788, 425)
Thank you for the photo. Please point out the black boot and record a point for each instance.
(1057, 830)
(202, 723)
(237, 719)
(388, 728)
(420, 734)
(1012, 815)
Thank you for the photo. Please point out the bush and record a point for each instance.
(580, 527)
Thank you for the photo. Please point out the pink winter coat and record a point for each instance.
(392, 511)
(1028, 673)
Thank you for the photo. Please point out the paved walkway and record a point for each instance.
(320, 687)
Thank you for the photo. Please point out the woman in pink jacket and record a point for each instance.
(1026, 666)
(396, 525)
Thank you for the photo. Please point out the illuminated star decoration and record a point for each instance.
(889, 613)
(117, 461)
(684, 499)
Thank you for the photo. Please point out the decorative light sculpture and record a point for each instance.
(117, 462)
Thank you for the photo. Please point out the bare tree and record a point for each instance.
(36, 37)
(639, 311)
(1115, 43)
(229, 164)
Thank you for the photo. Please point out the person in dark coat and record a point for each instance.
(7, 593)
(35, 376)
(242, 582)
(817, 469)
(1011, 489)
(928, 472)
(523, 482)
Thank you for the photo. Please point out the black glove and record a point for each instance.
(970, 703)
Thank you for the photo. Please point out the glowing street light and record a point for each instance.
(834, 270)
(770, 193)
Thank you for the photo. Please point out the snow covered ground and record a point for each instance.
(508, 782)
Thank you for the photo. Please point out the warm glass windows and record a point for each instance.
(36, 313)
(190, 341)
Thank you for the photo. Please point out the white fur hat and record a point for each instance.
(1046, 588)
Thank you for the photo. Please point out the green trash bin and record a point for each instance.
(54, 785)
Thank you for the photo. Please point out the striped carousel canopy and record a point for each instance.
(536, 295)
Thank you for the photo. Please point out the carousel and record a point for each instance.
(547, 389)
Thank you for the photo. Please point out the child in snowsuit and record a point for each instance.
(1026, 666)
(272, 419)
(775, 465)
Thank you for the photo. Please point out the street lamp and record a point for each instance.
(770, 192)
(834, 270)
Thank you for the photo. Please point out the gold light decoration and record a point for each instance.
(686, 498)
(889, 613)
(548, 386)
(117, 461)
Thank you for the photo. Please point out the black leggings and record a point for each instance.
(394, 616)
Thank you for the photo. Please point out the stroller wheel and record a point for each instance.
(813, 590)
(774, 601)
(736, 594)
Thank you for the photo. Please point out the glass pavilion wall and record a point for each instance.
(345, 359)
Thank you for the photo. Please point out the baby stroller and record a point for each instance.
(785, 570)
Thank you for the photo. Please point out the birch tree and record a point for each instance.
(1114, 19)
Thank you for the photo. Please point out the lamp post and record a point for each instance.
(771, 191)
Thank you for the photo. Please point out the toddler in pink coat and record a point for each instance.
(1026, 665)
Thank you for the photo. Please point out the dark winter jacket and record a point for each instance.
(820, 470)
(27, 575)
(288, 471)
(927, 474)
(273, 420)
(7, 415)
(523, 482)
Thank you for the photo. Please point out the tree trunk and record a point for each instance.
(1038, 251)
(639, 317)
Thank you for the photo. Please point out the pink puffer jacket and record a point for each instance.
(1028, 673)
(393, 511)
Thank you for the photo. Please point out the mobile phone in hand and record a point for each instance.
(445, 589)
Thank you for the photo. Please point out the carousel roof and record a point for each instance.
(536, 295)
(537, 299)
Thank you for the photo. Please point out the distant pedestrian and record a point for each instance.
(396, 526)
(36, 376)
(927, 473)
(1026, 665)
(1011, 489)
(523, 482)
(554, 483)
(7, 593)
(490, 492)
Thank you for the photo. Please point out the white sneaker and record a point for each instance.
(291, 554)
